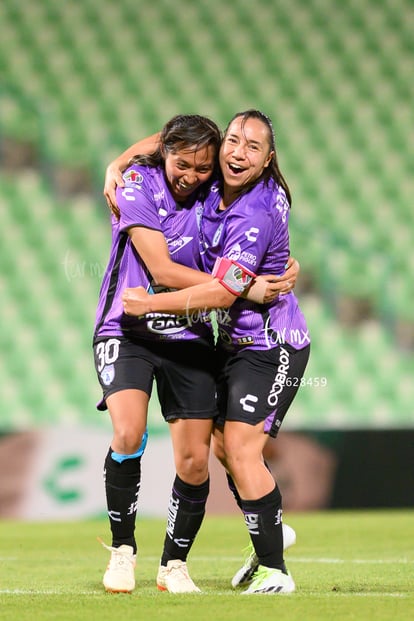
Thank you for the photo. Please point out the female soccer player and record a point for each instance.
(262, 351)
(157, 204)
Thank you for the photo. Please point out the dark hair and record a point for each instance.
(272, 171)
(183, 131)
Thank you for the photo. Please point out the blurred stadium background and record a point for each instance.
(81, 80)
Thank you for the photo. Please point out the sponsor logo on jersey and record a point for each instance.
(217, 234)
(282, 205)
(134, 178)
(245, 340)
(248, 257)
(174, 245)
(252, 234)
(234, 252)
(166, 324)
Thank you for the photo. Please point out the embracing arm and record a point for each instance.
(203, 297)
(114, 170)
(153, 250)
(199, 290)
(230, 278)
(266, 286)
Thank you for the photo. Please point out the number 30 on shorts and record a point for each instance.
(107, 352)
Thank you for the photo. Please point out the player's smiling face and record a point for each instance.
(245, 153)
(187, 169)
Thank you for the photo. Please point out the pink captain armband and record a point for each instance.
(233, 276)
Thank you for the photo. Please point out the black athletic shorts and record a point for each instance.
(259, 385)
(184, 372)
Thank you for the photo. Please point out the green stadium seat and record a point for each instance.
(83, 79)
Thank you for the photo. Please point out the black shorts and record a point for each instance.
(259, 385)
(184, 372)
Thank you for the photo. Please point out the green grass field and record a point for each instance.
(347, 565)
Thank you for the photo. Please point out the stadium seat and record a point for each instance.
(81, 80)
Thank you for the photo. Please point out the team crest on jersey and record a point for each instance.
(108, 374)
(133, 177)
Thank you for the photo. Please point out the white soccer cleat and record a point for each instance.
(268, 581)
(244, 575)
(119, 576)
(289, 536)
(175, 578)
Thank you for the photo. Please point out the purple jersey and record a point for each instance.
(146, 201)
(254, 232)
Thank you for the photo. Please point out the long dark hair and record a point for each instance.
(272, 171)
(183, 131)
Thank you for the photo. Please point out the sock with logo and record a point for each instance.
(263, 519)
(122, 476)
(186, 510)
(233, 488)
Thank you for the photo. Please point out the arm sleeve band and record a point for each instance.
(233, 276)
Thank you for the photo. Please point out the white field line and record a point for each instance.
(357, 561)
(48, 592)
(298, 559)
(318, 594)
(292, 559)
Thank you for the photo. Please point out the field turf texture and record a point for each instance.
(347, 566)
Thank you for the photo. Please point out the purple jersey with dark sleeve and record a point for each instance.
(254, 232)
(146, 201)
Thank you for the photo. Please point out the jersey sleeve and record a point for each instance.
(136, 202)
(248, 236)
(258, 233)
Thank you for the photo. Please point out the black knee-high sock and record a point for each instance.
(233, 488)
(122, 483)
(186, 510)
(263, 518)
